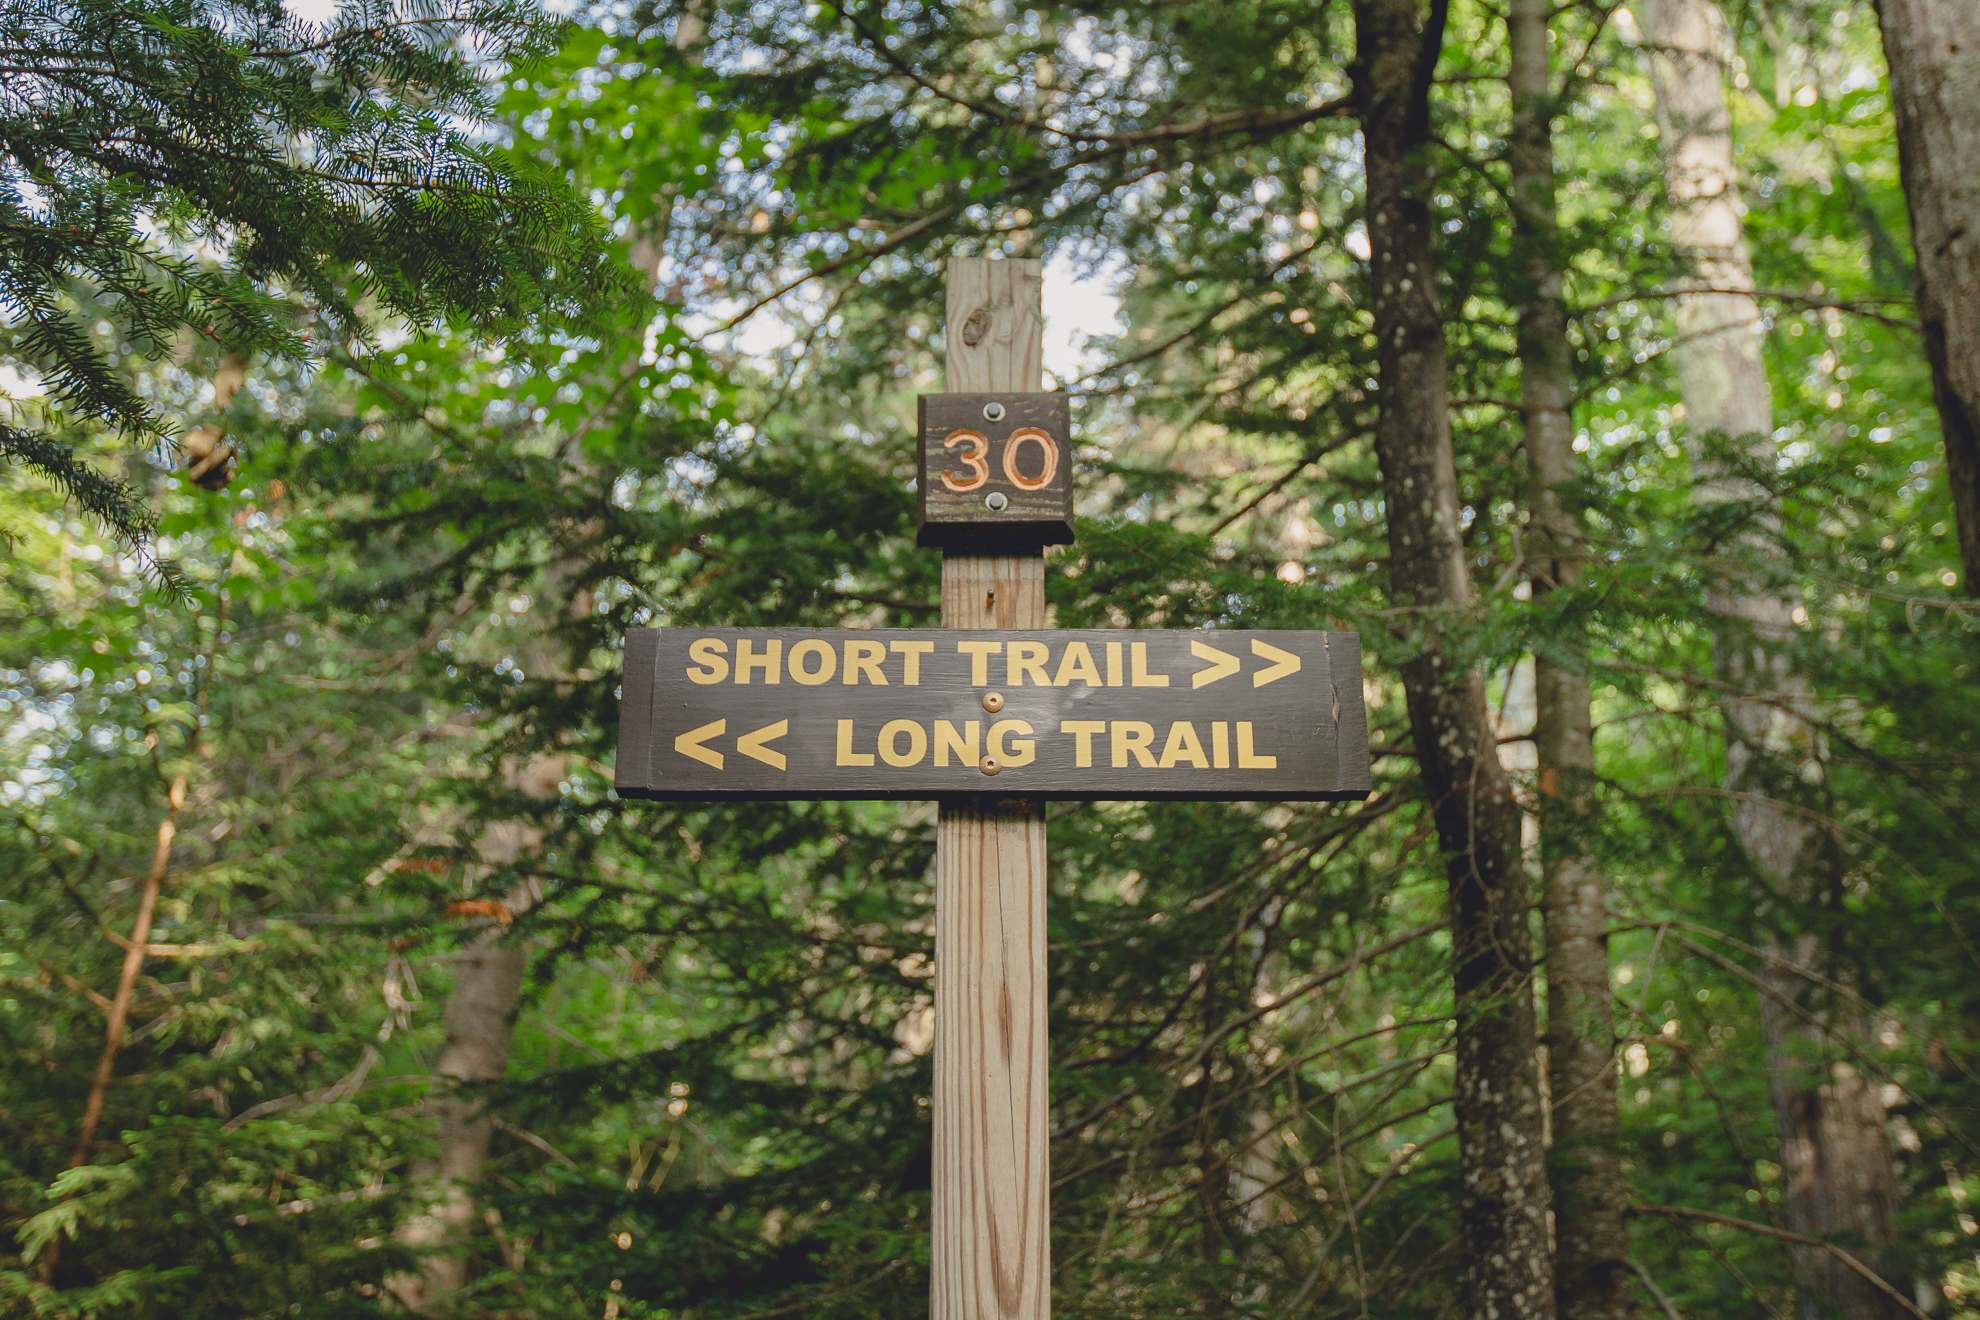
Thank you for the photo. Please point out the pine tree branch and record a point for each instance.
(113, 502)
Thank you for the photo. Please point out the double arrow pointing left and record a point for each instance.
(754, 744)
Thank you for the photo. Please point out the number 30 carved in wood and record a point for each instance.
(1048, 448)
(972, 459)
(979, 445)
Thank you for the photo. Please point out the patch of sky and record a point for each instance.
(316, 12)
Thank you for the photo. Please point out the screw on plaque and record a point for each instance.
(993, 702)
(993, 412)
(988, 765)
(996, 502)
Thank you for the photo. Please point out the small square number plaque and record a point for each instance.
(995, 470)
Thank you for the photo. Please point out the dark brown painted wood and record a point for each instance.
(1012, 458)
(797, 713)
(636, 694)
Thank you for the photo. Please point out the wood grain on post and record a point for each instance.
(992, 1256)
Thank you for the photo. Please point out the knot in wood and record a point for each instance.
(977, 328)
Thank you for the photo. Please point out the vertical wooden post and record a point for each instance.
(991, 1242)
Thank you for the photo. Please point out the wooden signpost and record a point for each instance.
(993, 715)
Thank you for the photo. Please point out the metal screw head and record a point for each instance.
(995, 501)
(989, 765)
(993, 412)
(993, 702)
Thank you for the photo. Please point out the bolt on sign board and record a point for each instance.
(714, 714)
(995, 469)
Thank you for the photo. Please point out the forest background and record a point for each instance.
(405, 1010)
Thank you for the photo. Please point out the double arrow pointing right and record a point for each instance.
(1223, 664)
(753, 745)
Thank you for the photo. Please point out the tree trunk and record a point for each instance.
(487, 984)
(1933, 49)
(1591, 1196)
(120, 1007)
(1833, 1146)
(1503, 1199)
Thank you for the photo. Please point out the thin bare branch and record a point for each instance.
(1765, 1230)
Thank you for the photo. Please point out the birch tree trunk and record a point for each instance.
(1933, 49)
(1591, 1196)
(1835, 1153)
(1503, 1198)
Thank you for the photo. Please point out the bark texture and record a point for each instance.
(1933, 49)
(1591, 1196)
(1506, 1258)
(1834, 1150)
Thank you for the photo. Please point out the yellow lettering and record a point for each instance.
(690, 743)
(757, 744)
(771, 662)
(1027, 658)
(1283, 663)
(1183, 746)
(828, 662)
(864, 658)
(1082, 732)
(1021, 752)
(847, 756)
(1222, 664)
(1247, 759)
(1137, 736)
(708, 651)
(911, 653)
(1113, 664)
(1142, 678)
(1220, 745)
(979, 654)
(1077, 663)
(890, 733)
(964, 744)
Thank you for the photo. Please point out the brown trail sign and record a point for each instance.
(991, 714)
(715, 714)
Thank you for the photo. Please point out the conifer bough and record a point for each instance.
(334, 171)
